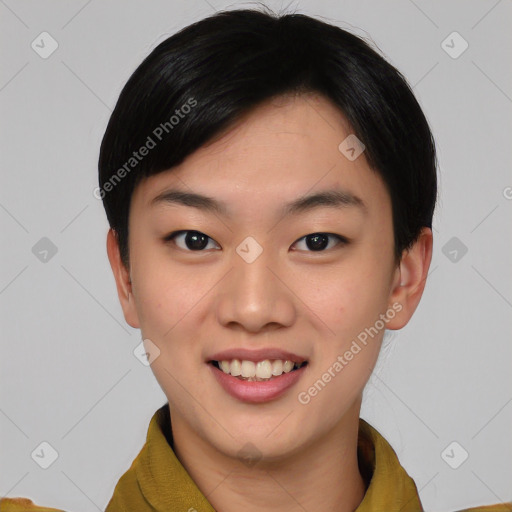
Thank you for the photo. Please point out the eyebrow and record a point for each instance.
(327, 198)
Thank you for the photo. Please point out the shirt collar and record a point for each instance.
(157, 480)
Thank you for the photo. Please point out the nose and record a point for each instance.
(256, 296)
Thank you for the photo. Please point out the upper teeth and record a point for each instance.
(262, 369)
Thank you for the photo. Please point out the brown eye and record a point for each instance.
(190, 240)
(318, 242)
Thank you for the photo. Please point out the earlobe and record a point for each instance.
(410, 278)
(123, 280)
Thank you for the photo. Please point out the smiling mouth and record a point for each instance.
(260, 371)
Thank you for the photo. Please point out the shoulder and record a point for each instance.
(23, 505)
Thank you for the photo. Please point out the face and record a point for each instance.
(258, 270)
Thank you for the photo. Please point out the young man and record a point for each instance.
(270, 184)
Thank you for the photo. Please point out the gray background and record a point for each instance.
(68, 373)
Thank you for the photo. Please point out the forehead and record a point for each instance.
(283, 149)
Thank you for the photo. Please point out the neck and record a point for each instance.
(321, 476)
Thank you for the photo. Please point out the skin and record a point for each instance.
(191, 304)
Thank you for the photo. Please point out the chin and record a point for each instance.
(263, 442)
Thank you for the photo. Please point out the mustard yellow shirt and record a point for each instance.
(157, 482)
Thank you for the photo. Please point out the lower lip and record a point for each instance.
(257, 391)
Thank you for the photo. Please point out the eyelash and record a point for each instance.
(172, 236)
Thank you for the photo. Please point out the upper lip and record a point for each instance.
(255, 355)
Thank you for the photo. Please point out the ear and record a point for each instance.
(123, 280)
(410, 278)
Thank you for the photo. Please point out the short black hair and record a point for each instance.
(204, 78)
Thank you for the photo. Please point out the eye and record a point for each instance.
(189, 240)
(318, 242)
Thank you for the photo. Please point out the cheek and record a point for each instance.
(172, 301)
(155, 304)
(170, 306)
(163, 293)
(347, 300)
